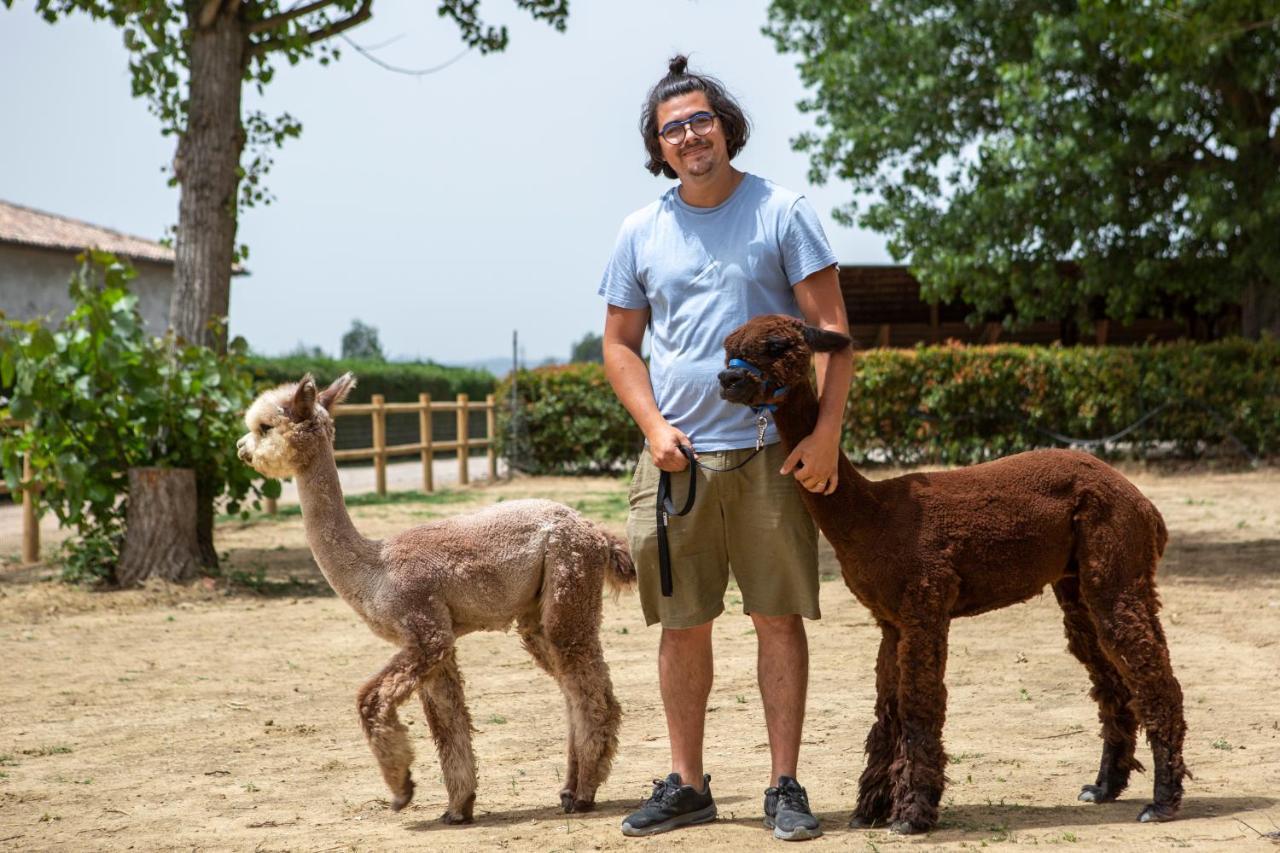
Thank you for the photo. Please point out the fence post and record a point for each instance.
(491, 430)
(424, 438)
(464, 441)
(380, 444)
(30, 524)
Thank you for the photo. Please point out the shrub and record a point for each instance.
(958, 404)
(100, 396)
(567, 420)
(397, 381)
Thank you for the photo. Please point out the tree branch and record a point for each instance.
(208, 13)
(367, 53)
(358, 17)
(284, 17)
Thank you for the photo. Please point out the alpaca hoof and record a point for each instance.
(401, 800)
(906, 827)
(455, 819)
(860, 822)
(580, 806)
(1156, 813)
(566, 801)
(1095, 794)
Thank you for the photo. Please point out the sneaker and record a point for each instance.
(673, 804)
(786, 811)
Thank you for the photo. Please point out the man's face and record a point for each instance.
(695, 156)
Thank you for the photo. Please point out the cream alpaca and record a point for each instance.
(536, 563)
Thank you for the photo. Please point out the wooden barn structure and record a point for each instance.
(885, 310)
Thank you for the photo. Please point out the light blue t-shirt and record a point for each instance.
(702, 272)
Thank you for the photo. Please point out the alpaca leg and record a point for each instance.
(570, 622)
(1119, 724)
(387, 736)
(445, 706)
(875, 788)
(540, 650)
(595, 716)
(1130, 633)
(920, 761)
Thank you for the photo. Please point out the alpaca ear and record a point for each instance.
(304, 400)
(821, 340)
(777, 345)
(337, 392)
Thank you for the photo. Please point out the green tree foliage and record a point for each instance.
(361, 341)
(99, 395)
(590, 348)
(1002, 137)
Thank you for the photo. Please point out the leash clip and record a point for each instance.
(762, 423)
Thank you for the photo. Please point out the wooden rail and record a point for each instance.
(30, 523)
(425, 447)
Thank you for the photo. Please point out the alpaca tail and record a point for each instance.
(1162, 532)
(621, 572)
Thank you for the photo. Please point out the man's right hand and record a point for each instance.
(664, 446)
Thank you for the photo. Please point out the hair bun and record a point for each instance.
(678, 64)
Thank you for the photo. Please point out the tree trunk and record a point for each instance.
(206, 166)
(1260, 309)
(160, 527)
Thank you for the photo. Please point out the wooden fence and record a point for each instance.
(425, 447)
(378, 409)
(30, 524)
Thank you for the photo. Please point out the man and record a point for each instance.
(717, 249)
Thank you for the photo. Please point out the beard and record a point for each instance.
(703, 163)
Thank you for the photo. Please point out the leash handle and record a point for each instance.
(667, 508)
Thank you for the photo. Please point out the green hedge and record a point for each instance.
(961, 404)
(398, 382)
(567, 420)
(957, 404)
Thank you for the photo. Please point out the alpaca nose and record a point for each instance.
(729, 376)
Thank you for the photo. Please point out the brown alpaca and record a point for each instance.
(536, 563)
(922, 549)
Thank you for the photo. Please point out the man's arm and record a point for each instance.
(624, 366)
(815, 460)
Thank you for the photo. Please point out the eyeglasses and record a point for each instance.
(699, 123)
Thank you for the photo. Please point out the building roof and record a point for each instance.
(28, 227)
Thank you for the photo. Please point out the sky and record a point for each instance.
(447, 211)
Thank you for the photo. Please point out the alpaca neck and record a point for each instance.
(349, 561)
(851, 512)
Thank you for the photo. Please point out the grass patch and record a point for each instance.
(41, 751)
(607, 507)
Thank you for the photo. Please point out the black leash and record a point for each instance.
(667, 506)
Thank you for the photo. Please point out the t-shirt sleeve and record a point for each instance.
(620, 285)
(805, 249)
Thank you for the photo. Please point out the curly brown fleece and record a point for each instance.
(536, 563)
(922, 549)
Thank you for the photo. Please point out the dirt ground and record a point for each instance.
(221, 716)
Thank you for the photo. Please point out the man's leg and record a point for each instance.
(782, 667)
(685, 672)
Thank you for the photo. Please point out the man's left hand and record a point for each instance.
(815, 463)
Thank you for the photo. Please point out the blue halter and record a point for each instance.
(778, 390)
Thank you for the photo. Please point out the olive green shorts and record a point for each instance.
(751, 520)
